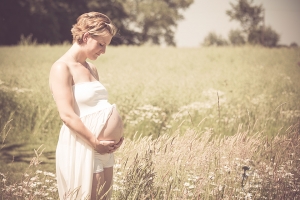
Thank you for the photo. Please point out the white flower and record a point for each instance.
(49, 174)
(191, 187)
(186, 184)
(117, 166)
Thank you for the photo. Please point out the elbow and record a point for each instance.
(66, 118)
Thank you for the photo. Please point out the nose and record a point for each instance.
(103, 50)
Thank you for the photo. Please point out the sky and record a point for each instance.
(205, 16)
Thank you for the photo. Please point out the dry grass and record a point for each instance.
(193, 165)
(196, 166)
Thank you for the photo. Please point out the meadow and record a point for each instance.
(200, 123)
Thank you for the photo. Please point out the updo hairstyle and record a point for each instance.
(93, 22)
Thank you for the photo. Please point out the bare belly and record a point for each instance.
(113, 129)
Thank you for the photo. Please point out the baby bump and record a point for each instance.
(113, 128)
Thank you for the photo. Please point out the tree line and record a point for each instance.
(253, 30)
(45, 21)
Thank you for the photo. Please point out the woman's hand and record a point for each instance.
(104, 146)
(116, 146)
(107, 146)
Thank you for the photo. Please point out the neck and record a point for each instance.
(77, 54)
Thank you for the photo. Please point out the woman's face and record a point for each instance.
(96, 45)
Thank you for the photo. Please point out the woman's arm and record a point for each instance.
(61, 87)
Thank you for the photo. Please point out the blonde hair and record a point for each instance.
(93, 22)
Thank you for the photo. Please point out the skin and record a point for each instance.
(71, 69)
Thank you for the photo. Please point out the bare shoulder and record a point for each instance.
(59, 66)
(60, 72)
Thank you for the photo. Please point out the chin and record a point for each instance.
(93, 58)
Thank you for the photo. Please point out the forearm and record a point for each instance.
(74, 123)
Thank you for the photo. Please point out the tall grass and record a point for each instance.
(200, 123)
(193, 165)
(157, 88)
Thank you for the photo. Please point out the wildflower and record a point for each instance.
(117, 166)
(186, 184)
(25, 190)
(39, 183)
(49, 174)
(248, 196)
(220, 188)
(45, 194)
(191, 187)
(37, 193)
(52, 189)
(38, 172)
(32, 185)
(289, 175)
(211, 176)
(227, 169)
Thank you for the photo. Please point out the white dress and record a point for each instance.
(74, 157)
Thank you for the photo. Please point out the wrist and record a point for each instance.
(94, 142)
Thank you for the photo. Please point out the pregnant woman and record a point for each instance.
(92, 127)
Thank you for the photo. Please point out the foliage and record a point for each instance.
(294, 45)
(212, 39)
(138, 21)
(251, 19)
(265, 36)
(248, 15)
(154, 21)
(236, 37)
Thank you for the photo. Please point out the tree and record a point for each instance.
(138, 21)
(236, 37)
(144, 21)
(294, 45)
(251, 18)
(212, 39)
(248, 15)
(265, 36)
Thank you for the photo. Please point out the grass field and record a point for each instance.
(200, 123)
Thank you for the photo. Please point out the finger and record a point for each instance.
(120, 142)
(107, 142)
(118, 145)
(109, 148)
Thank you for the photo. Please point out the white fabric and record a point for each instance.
(102, 161)
(74, 157)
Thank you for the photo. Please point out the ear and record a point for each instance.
(85, 37)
